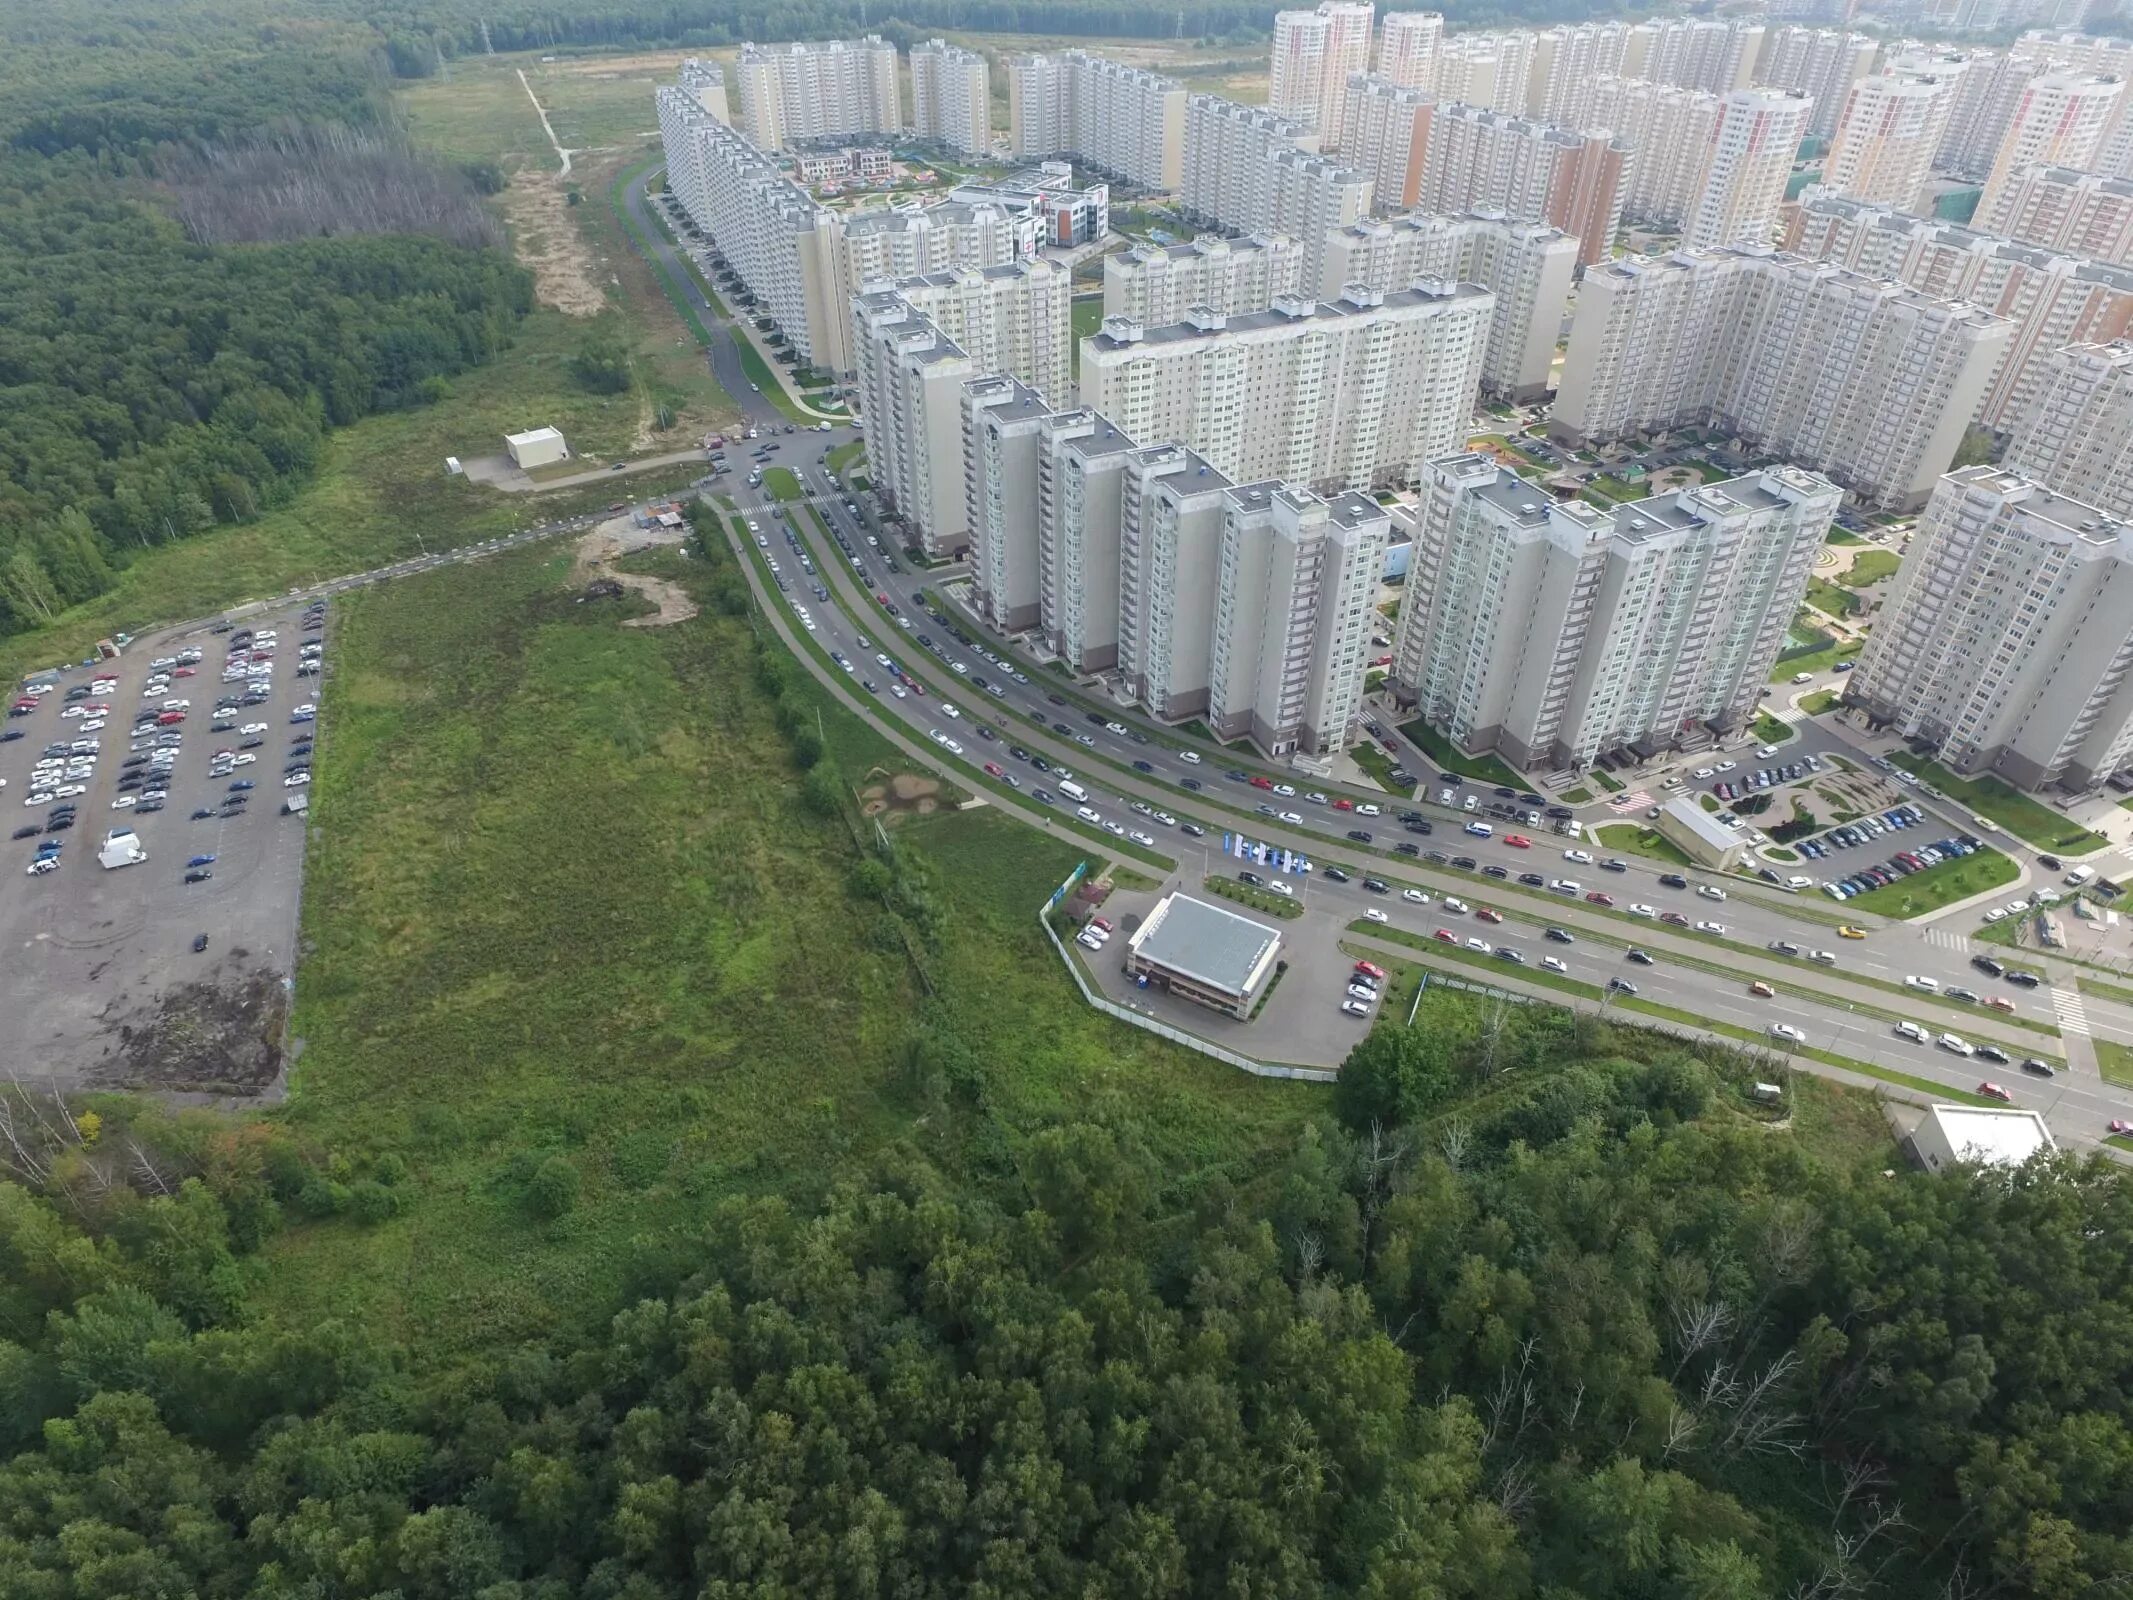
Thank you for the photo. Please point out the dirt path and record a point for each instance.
(547, 240)
(598, 551)
(541, 111)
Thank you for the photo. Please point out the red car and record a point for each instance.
(186, 672)
(170, 717)
(1488, 914)
(1262, 783)
(1446, 935)
(994, 769)
(1599, 899)
(882, 599)
(1518, 841)
(1342, 803)
(1370, 970)
(1993, 1091)
(2120, 1125)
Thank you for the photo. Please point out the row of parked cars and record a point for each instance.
(1867, 829)
(1366, 982)
(1901, 865)
(1764, 778)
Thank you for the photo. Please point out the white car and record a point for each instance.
(1373, 914)
(304, 710)
(93, 725)
(42, 864)
(1956, 1045)
(1316, 798)
(1361, 995)
(1089, 814)
(1415, 895)
(296, 780)
(1292, 817)
(1088, 943)
(1787, 1032)
(1582, 857)
(1112, 827)
(1710, 891)
(1710, 927)
(1455, 905)
(1828, 958)
(1286, 790)
(1478, 944)
(37, 800)
(71, 791)
(1145, 840)
(124, 802)
(1554, 964)
(1366, 809)
(899, 691)
(253, 727)
(1192, 756)
(1996, 914)
(245, 760)
(1913, 1032)
(1282, 889)
(1913, 981)
(1355, 1008)
(948, 710)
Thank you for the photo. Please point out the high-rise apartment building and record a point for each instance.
(2049, 301)
(1565, 61)
(2102, 57)
(1169, 569)
(1121, 120)
(791, 94)
(1245, 173)
(1986, 100)
(2056, 208)
(2007, 638)
(2060, 121)
(1314, 55)
(1694, 52)
(1485, 69)
(1821, 63)
(1155, 285)
(907, 240)
(1857, 378)
(1352, 393)
(1408, 45)
(911, 380)
(1671, 133)
(951, 97)
(1486, 161)
(2078, 433)
(1555, 632)
(705, 83)
(1081, 469)
(1388, 127)
(1528, 267)
(1000, 429)
(1015, 318)
(1891, 128)
(1759, 133)
(1293, 616)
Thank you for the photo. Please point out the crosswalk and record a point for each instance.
(2073, 1015)
(1791, 716)
(1948, 939)
(1636, 800)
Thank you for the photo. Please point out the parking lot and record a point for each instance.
(173, 971)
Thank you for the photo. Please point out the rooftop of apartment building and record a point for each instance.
(905, 218)
(1011, 400)
(1046, 178)
(1548, 132)
(1182, 466)
(1206, 244)
(2077, 521)
(1120, 333)
(803, 47)
(1099, 437)
(1954, 236)
(1352, 509)
(1422, 221)
(2074, 175)
(998, 272)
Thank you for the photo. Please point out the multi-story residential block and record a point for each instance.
(1672, 134)
(1169, 572)
(1245, 173)
(1485, 69)
(1120, 120)
(1314, 55)
(951, 97)
(1986, 100)
(2060, 120)
(1293, 615)
(1000, 430)
(1388, 127)
(907, 240)
(1408, 45)
(1694, 52)
(2056, 208)
(2077, 435)
(1565, 62)
(1067, 213)
(2048, 300)
(1353, 393)
(1081, 472)
(1821, 63)
(1155, 285)
(1892, 126)
(1759, 133)
(1486, 161)
(1016, 318)
(911, 380)
(2102, 57)
(828, 89)
(1554, 633)
(1529, 267)
(705, 82)
(787, 249)
(1858, 378)
(2008, 634)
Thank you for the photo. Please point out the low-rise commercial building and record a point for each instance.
(1204, 953)
(1068, 213)
(1979, 1136)
(536, 447)
(1700, 835)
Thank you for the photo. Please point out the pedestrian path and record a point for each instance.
(1635, 800)
(1790, 715)
(2073, 1015)
(1948, 939)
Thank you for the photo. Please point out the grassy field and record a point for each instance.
(1869, 567)
(1831, 599)
(1941, 884)
(564, 899)
(1264, 901)
(1486, 769)
(1769, 730)
(2114, 1061)
(1815, 660)
(1820, 701)
(2013, 810)
(1635, 839)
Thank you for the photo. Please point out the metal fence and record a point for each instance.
(1206, 1047)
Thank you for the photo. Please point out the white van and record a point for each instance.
(1074, 791)
(2079, 876)
(1480, 830)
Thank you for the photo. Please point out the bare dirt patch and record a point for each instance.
(892, 796)
(599, 550)
(221, 1035)
(547, 239)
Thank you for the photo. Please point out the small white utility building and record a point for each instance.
(1990, 1136)
(536, 447)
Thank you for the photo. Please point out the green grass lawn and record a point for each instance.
(1769, 730)
(1635, 839)
(1375, 762)
(1840, 536)
(2114, 1061)
(1830, 599)
(2013, 810)
(1815, 660)
(1576, 797)
(1869, 567)
(563, 898)
(846, 456)
(1607, 780)
(1820, 701)
(1264, 901)
(1941, 884)
(1486, 769)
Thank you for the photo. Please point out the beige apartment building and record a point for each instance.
(1123, 121)
(1314, 55)
(1408, 46)
(1821, 63)
(794, 94)
(1892, 127)
(2077, 436)
(1759, 133)
(2056, 208)
(951, 98)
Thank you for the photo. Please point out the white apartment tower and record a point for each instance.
(1565, 62)
(1120, 120)
(1387, 139)
(2007, 638)
(2060, 121)
(705, 83)
(1672, 134)
(1081, 468)
(1485, 161)
(1169, 570)
(1759, 133)
(1892, 125)
(1485, 69)
(1863, 380)
(1000, 429)
(1554, 633)
(911, 381)
(1314, 55)
(951, 97)
(1529, 267)
(1353, 393)
(1408, 45)
(2078, 434)
(1293, 615)
(1015, 318)
(1694, 52)
(1155, 285)
(792, 94)
(1245, 174)
(2057, 208)
(1821, 63)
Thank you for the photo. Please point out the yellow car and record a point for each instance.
(1851, 933)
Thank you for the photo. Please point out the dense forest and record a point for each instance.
(199, 279)
(1573, 1324)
